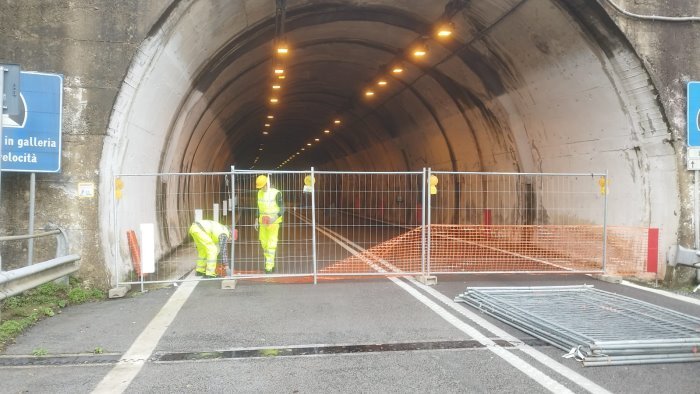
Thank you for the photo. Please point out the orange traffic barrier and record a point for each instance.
(135, 251)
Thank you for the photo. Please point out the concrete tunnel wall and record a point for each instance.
(534, 90)
(542, 85)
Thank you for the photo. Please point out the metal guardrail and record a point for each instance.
(26, 278)
(18, 280)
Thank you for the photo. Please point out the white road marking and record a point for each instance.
(124, 372)
(529, 370)
(529, 350)
(664, 293)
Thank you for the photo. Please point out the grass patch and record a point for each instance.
(22, 311)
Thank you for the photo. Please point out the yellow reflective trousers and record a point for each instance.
(268, 240)
(206, 235)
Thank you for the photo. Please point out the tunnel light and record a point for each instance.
(282, 48)
(369, 93)
(445, 30)
(277, 87)
(260, 149)
(420, 51)
(397, 70)
(317, 139)
(265, 133)
(274, 100)
(281, 77)
(270, 117)
(267, 125)
(382, 82)
(279, 70)
(308, 144)
(327, 131)
(337, 121)
(303, 148)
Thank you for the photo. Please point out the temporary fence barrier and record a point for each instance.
(505, 222)
(342, 223)
(171, 203)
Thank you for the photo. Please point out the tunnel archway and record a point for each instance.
(521, 86)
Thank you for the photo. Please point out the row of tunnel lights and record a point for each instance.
(419, 51)
(279, 75)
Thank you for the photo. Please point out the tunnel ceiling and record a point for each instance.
(337, 51)
(488, 97)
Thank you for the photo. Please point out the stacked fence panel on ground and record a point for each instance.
(596, 327)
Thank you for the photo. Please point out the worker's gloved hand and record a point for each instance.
(256, 224)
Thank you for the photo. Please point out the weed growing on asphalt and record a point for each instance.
(22, 311)
(40, 352)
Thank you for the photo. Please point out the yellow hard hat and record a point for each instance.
(260, 181)
(309, 180)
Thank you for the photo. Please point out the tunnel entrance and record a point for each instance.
(512, 87)
(344, 224)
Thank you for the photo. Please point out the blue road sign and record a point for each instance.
(31, 140)
(693, 113)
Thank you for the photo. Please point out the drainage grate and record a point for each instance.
(594, 326)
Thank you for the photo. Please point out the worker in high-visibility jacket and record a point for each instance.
(268, 219)
(210, 239)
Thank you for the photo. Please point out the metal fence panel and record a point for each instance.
(513, 222)
(170, 202)
(377, 213)
(343, 223)
(295, 249)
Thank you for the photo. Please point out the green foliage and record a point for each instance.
(40, 352)
(98, 350)
(47, 311)
(22, 311)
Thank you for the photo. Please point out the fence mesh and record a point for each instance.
(360, 223)
(493, 222)
(171, 202)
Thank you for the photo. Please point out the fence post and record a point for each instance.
(422, 224)
(428, 220)
(117, 236)
(233, 221)
(313, 223)
(605, 222)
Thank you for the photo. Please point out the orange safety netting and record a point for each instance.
(492, 248)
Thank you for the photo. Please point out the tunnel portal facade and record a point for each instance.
(517, 86)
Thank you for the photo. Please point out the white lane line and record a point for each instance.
(485, 324)
(663, 293)
(124, 372)
(540, 377)
(498, 332)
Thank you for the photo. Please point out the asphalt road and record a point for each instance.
(359, 334)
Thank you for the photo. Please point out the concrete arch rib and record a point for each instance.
(492, 103)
